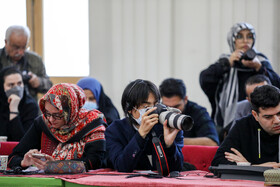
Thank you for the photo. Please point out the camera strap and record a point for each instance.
(162, 164)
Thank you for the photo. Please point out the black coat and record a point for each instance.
(28, 111)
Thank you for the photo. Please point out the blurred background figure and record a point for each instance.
(244, 107)
(174, 94)
(29, 63)
(97, 99)
(17, 108)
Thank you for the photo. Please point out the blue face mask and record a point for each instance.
(89, 105)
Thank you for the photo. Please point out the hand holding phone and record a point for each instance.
(39, 156)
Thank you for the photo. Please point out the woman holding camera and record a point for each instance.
(224, 81)
(129, 141)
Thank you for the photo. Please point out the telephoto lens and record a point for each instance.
(174, 119)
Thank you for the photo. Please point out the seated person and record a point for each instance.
(17, 108)
(129, 141)
(173, 94)
(255, 138)
(64, 131)
(97, 99)
(243, 107)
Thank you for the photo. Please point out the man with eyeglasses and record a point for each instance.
(173, 94)
(29, 63)
(224, 81)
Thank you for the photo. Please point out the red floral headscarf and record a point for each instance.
(69, 100)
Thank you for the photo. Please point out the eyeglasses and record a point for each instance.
(55, 116)
(17, 48)
(242, 37)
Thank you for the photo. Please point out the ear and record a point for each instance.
(255, 114)
(186, 99)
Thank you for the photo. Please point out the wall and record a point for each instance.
(156, 39)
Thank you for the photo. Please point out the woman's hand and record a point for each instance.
(254, 64)
(29, 160)
(169, 134)
(147, 122)
(235, 157)
(13, 101)
(235, 56)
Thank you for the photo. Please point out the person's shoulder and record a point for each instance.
(31, 55)
(118, 124)
(244, 103)
(245, 122)
(194, 107)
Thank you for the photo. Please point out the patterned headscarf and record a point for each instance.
(235, 29)
(69, 99)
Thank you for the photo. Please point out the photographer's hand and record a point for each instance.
(34, 80)
(254, 64)
(235, 56)
(169, 134)
(147, 122)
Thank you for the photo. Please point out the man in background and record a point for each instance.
(29, 63)
(173, 94)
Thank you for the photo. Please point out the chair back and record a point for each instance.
(6, 148)
(200, 156)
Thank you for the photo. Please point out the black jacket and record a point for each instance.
(28, 111)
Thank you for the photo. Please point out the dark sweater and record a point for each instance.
(128, 151)
(203, 126)
(244, 138)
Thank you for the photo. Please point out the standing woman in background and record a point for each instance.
(97, 99)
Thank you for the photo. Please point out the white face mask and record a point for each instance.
(141, 112)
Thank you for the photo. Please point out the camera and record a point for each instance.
(25, 77)
(250, 54)
(174, 119)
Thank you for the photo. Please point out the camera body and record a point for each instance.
(174, 119)
(250, 54)
(25, 77)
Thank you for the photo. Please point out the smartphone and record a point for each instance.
(39, 156)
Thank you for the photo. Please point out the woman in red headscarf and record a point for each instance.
(65, 131)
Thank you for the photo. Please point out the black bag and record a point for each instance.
(239, 172)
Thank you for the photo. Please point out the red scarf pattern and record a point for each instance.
(69, 100)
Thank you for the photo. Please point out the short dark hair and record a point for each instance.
(9, 71)
(173, 87)
(137, 92)
(265, 96)
(255, 79)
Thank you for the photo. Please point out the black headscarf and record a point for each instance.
(28, 109)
